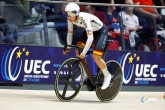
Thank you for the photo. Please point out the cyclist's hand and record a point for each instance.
(82, 56)
(66, 50)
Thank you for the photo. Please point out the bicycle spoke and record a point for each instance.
(74, 69)
(73, 86)
(65, 89)
(69, 68)
(75, 73)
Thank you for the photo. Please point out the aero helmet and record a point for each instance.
(72, 9)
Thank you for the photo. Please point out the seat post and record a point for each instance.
(106, 47)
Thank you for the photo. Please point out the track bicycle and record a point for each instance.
(66, 88)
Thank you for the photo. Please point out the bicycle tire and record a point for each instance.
(65, 86)
(111, 92)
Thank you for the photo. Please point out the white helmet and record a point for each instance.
(72, 9)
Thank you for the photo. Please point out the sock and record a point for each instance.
(105, 71)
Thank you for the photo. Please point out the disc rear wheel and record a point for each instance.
(116, 82)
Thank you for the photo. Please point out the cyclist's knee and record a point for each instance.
(96, 57)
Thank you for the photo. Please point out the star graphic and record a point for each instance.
(27, 53)
(23, 49)
(130, 59)
(135, 55)
(19, 54)
(138, 58)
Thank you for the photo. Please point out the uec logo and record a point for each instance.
(130, 66)
(11, 67)
(12, 64)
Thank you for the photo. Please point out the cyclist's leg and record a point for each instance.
(100, 43)
(102, 65)
(101, 38)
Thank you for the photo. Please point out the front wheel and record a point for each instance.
(66, 88)
(116, 82)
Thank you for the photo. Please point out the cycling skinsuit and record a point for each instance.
(94, 28)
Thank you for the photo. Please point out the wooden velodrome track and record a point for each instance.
(14, 99)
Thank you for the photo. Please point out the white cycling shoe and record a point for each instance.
(106, 82)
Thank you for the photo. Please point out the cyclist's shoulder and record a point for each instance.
(84, 15)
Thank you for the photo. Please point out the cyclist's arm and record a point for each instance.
(88, 43)
(70, 33)
(89, 35)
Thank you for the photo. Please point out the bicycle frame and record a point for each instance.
(86, 68)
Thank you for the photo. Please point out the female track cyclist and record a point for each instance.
(96, 32)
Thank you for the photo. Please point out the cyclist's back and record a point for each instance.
(88, 21)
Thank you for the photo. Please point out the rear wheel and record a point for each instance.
(116, 82)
